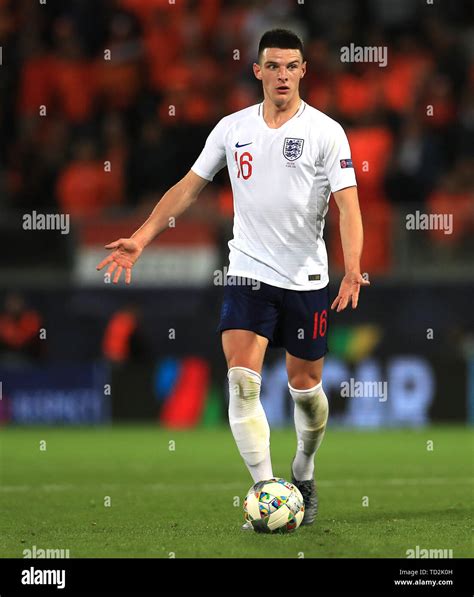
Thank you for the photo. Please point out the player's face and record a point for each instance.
(280, 72)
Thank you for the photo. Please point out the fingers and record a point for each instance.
(355, 297)
(104, 262)
(112, 268)
(114, 260)
(340, 302)
(117, 274)
(349, 291)
(342, 299)
(108, 259)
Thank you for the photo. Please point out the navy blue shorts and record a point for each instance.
(296, 320)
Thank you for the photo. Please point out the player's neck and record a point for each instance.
(276, 116)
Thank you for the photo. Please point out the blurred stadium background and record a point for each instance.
(104, 104)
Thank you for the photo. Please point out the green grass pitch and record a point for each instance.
(125, 492)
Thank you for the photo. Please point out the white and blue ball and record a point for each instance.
(274, 506)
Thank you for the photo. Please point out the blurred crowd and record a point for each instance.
(20, 327)
(104, 104)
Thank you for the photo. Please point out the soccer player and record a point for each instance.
(285, 158)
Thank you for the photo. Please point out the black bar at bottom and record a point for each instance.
(172, 576)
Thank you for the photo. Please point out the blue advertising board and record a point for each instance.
(56, 394)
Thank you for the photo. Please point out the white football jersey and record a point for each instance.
(282, 180)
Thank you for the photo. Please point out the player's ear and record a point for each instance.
(303, 69)
(257, 71)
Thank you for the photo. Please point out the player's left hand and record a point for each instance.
(349, 289)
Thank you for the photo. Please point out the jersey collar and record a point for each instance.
(300, 111)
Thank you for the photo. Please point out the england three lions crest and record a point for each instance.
(293, 148)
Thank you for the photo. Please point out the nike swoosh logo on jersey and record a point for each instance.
(243, 145)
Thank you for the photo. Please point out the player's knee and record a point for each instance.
(243, 362)
(244, 382)
(313, 402)
(304, 381)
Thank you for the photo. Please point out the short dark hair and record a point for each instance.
(280, 38)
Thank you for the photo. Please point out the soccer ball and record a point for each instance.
(274, 506)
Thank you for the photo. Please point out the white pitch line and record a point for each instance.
(212, 486)
(410, 481)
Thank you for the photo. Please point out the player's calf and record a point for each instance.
(248, 421)
(310, 415)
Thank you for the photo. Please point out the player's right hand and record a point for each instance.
(127, 251)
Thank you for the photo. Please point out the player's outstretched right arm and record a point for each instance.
(173, 203)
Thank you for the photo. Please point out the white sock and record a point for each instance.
(311, 415)
(248, 421)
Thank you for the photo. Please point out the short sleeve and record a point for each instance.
(337, 159)
(212, 157)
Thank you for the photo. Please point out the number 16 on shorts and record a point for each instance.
(320, 324)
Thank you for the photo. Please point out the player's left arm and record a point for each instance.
(352, 239)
